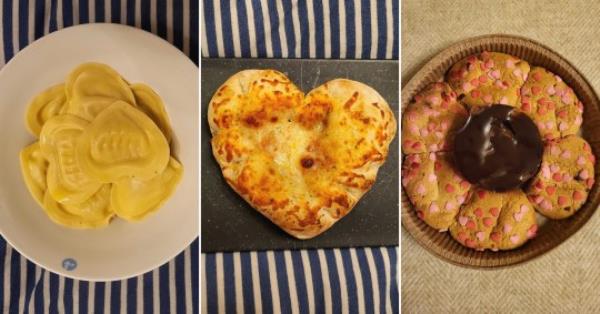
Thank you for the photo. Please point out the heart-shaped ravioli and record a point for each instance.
(92, 213)
(91, 87)
(122, 142)
(67, 183)
(133, 199)
(303, 162)
(152, 105)
(44, 106)
(34, 167)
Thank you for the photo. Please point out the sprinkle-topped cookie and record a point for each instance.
(436, 190)
(488, 78)
(565, 178)
(496, 221)
(551, 104)
(430, 121)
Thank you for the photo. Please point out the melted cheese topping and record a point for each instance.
(98, 155)
(303, 162)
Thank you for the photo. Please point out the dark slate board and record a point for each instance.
(230, 224)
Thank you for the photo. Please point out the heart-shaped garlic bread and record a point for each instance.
(301, 161)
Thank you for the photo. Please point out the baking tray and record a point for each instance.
(230, 224)
(551, 233)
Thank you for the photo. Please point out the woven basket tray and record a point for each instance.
(551, 232)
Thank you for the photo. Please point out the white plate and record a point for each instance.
(122, 249)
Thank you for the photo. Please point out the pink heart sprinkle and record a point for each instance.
(421, 189)
(546, 205)
(488, 222)
(523, 208)
(514, 239)
(550, 90)
(510, 63)
(518, 73)
(504, 100)
(584, 174)
(480, 235)
(414, 129)
(566, 154)
(518, 216)
(562, 126)
(496, 74)
(462, 220)
(554, 168)
(434, 208)
(434, 100)
(466, 87)
(581, 160)
(432, 177)
(507, 228)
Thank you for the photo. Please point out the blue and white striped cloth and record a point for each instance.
(331, 29)
(25, 288)
(361, 280)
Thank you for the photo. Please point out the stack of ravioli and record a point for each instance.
(102, 149)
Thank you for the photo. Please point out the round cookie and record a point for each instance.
(435, 189)
(551, 104)
(496, 221)
(430, 121)
(567, 174)
(488, 78)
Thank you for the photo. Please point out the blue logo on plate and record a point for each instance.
(69, 264)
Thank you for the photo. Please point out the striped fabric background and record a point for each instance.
(361, 280)
(25, 288)
(332, 29)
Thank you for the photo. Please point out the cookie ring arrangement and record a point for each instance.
(494, 209)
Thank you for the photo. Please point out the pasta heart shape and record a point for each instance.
(303, 162)
(134, 199)
(67, 182)
(34, 167)
(94, 212)
(91, 87)
(49, 103)
(122, 142)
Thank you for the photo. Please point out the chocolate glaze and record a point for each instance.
(498, 148)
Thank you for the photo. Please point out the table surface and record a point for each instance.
(230, 224)
(566, 278)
